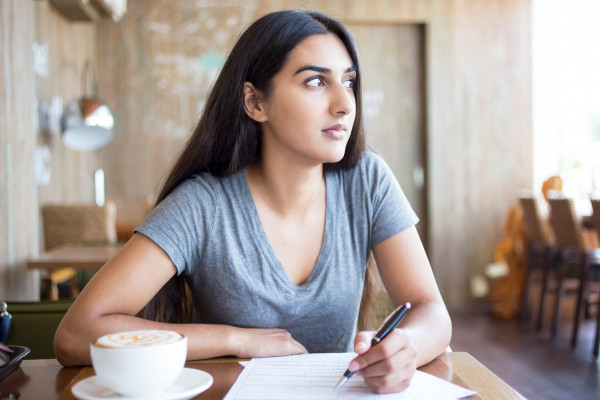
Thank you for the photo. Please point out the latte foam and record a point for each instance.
(140, 338)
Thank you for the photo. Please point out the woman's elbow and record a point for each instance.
(67, 349)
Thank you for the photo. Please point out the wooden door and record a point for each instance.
(393, 66)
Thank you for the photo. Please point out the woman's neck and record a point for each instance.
(289, 191)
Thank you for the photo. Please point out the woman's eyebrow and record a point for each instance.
(322, 70)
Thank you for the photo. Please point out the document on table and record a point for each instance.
(314, 376)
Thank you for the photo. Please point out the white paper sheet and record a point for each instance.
(314, 376)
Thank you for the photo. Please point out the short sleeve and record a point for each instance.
(181, 223)
(392, 212)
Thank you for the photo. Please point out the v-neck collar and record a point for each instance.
(261, 238)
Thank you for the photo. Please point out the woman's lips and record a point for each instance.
(336, 132)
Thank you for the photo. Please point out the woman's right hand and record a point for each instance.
(256, 342)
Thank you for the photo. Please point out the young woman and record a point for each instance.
(270, 215)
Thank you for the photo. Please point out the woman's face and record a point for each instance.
(309, 113)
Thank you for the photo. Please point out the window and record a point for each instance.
(566, 96)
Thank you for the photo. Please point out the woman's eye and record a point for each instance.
(349, 83)
(316, 81)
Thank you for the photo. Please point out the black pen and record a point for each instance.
(387, 326)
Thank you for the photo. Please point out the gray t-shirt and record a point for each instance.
(212, 232)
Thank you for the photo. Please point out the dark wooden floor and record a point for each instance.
(528, 360)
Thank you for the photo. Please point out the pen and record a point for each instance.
(388, 325)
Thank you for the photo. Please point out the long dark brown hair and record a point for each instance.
(226, 140)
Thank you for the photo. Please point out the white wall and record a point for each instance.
(566, 96)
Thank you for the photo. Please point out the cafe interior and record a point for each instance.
(487, 112)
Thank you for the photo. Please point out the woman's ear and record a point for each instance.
(252, 103)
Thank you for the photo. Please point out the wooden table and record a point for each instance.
(80, 257)
(47, 379)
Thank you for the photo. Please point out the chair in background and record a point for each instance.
(576, 260)
(65, 224)
(375, 303)
(540, 252)
(131, 211)
(552, 186)
(596, 214)
(596, 222)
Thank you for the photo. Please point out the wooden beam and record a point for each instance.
(76, 10)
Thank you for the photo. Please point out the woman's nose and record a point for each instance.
(343, 101)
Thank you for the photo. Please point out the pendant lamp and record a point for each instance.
(87, 122)
(87, 125)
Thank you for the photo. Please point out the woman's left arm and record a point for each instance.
(425, 331)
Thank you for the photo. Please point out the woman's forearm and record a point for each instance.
(430, 329)
(72, 343)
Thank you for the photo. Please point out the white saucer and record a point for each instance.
(190, 383)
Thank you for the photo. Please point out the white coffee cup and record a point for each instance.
(138, 363)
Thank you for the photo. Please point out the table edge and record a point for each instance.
(457, 363)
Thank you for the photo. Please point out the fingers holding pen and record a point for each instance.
(362, 342)
(369, 355)
(387, 367)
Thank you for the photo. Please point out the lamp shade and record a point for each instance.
(87, 124)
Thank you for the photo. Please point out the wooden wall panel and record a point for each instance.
(65, 48)
(495, 129)
(157, 67)
(18, 197)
